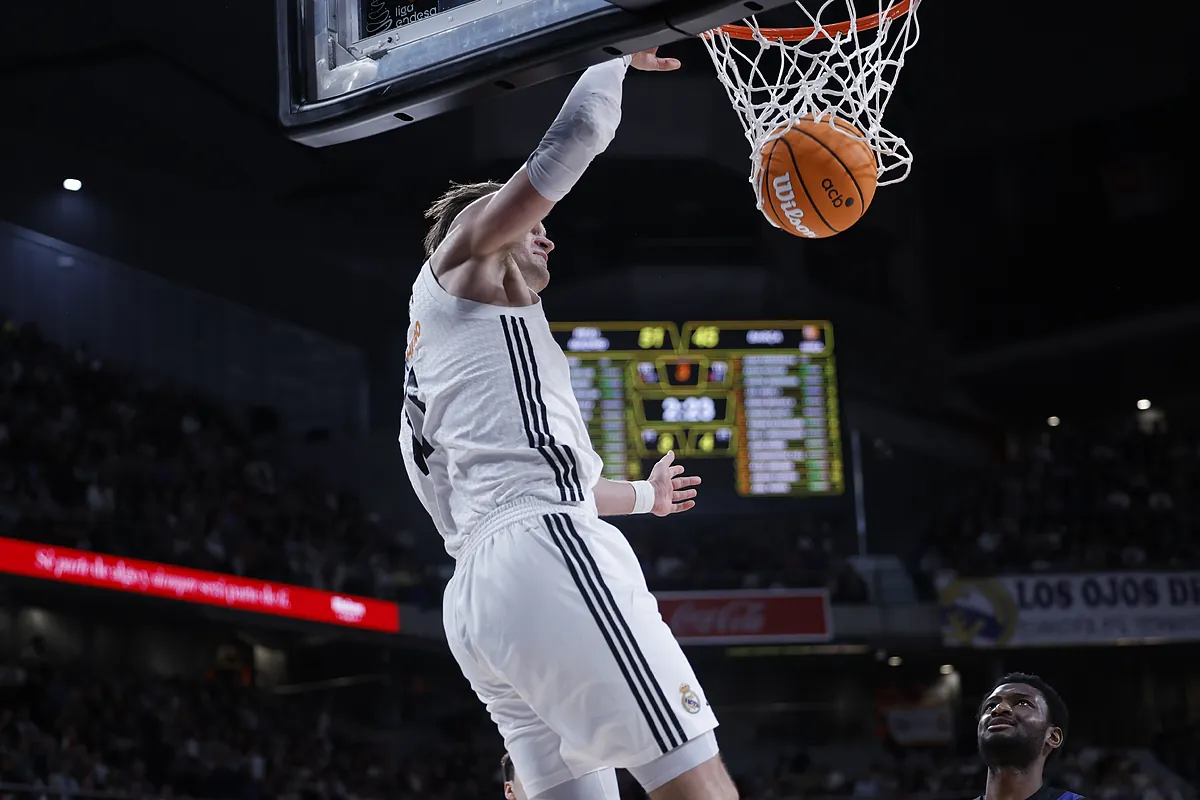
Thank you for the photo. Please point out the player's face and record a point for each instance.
(532, 256)
(1014, 727)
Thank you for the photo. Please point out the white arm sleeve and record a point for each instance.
(581, 131)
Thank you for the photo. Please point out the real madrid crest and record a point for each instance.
(691, 702)
(977, 612)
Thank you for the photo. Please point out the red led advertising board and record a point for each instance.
(149, 578)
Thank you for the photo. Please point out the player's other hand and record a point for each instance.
(672, 489)
(649, 61)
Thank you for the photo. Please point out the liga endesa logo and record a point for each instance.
(767, 617)
(83, 568)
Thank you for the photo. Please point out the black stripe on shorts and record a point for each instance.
(664, 724)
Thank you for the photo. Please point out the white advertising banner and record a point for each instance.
(1065, 609)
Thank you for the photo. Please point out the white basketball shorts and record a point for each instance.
(549, 617)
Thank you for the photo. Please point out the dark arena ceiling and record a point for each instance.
(1033, 153)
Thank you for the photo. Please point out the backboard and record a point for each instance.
(354, 68)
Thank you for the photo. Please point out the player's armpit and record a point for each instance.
(613, 498)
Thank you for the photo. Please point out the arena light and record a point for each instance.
(72, 184)
(1143, 405)
(1053, 422)
(895, 661)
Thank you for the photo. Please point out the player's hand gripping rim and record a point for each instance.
(649, 61)
(672, 489)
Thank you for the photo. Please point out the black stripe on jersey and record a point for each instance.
(545, 441)
(664, 725)
(520, 377)
(564, 453)
(537, 409)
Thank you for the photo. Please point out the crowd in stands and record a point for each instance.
(68, 732)
(96, 459)
(1179, 747)
(64, 732)
(1121, 496)
(735, 551)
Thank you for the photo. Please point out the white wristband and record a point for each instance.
(643, 497)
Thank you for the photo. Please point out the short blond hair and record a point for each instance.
(446, 209)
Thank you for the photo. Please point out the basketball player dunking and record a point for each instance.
(547, 614)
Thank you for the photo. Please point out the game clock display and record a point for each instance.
(762, 395)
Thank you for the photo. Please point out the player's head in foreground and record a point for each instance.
(529, 254)
(496, 231)
(513, 790)
(1021, 723)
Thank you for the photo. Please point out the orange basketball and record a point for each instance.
(816, 181)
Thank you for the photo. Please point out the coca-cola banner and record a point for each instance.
(1063, 609)
(748, 617)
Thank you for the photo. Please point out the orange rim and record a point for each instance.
(866, 23)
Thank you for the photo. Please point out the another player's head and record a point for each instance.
(513, 790)
(530, 254)
(1021, 723)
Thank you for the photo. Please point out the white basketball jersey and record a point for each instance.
(489, 415)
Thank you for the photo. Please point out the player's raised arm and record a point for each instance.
(582, 130)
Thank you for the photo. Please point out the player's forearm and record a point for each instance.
(582, 130)
(618, 498)
(613, 498)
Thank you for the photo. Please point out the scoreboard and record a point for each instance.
(761, 396)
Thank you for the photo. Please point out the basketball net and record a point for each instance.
(843, 66)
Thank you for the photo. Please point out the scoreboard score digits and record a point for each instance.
(760, 394)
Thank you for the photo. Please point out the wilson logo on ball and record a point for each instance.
(787, 204)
